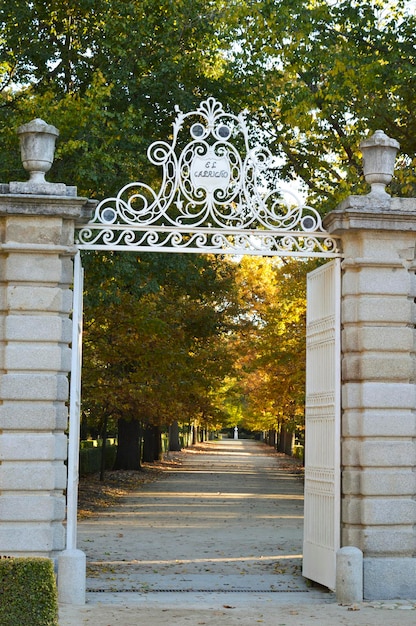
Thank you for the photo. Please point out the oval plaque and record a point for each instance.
(210, 172)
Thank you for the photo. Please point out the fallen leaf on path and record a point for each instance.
(227, 606)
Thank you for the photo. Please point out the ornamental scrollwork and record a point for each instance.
(214, 186)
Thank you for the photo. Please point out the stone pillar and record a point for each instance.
(378, 388)
(36, 250)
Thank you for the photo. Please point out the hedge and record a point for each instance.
(90, 460)
(28, 594)
(298, 452)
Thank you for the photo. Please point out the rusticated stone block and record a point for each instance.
(374, 482)
(26, 538)
(377, 339)
(33, 416)
(380, 541)
(32, 476)
(33, 446)
(44, 268)
(45, 299)
(378, 366)
(32, 229)
(378, 453)
(374, 395)
(49, 328)
(378, 423)
(37, 356)
(39, 507)
(376, 280)
(378, 511)
(16, 386)
(376, 310)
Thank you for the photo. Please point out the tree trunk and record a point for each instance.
(103, 447)
(83, 427)
(157, 445)
(285, 441)
(280, 438)
(151, 443)
(128, 448)
(288, 443)
(174, 443)
(272, 438)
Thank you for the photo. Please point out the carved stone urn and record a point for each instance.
(37, 146)
(379, 155)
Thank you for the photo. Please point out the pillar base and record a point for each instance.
(72, 565)
(349, 582)
(389, 578)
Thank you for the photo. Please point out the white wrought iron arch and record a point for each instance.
(218, 195)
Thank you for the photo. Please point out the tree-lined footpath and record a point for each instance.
(315, 75)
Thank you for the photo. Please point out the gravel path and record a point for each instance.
(216, 541)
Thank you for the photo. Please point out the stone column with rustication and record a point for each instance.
(36, 250)
(378, 376)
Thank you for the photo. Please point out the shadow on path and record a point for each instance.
(216, 542)
(228, 520)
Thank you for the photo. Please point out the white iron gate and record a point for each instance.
(219, 195)
(322, 419)
(74, 407)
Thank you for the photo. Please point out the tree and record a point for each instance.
(317, 76)
(154, 342)
(107, 74)
(270, 347)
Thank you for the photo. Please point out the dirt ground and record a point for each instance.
(270, 613)
(212, 536)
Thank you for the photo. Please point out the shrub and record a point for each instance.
(84, 445)
(90, 459)
(28, 594)
(298, 452)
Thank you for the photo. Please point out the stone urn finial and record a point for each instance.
(37, 146)
(379, 155)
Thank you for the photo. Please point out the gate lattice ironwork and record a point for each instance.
(322, 425)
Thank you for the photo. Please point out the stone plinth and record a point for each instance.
(378, 388)
(36, 250)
